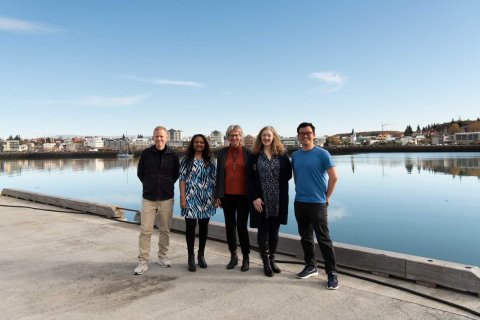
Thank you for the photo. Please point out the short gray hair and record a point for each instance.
(235, 127)
(160, 128)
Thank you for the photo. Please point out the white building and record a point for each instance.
(11, 145)
(49, 146)
(216, 139)
(466, 138)
(141, 143)
(175, 135)
(94, 143)
(291, 142)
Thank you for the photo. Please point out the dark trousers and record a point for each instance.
(268, 233)
(235, 209)
(313, 217)
(190, 225)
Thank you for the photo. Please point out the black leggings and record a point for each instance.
(235, 209)
(191, 224)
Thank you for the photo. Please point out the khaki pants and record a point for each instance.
(149, 212)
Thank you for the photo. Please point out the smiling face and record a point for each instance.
(267, 137)
(198, 144)
(160, 137)
(234, 138)
(306, 136)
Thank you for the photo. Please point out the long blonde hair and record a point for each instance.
(277, 146)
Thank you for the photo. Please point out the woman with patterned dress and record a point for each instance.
(197, 197)
(268, 175)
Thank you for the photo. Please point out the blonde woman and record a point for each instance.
(269, 172)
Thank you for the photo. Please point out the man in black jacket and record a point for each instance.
(158, 169)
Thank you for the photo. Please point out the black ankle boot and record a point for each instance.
(191, 262)
(245, 263)
(201, 260)
(233, 260)
(273, 265)
(273, 243)
(267, 268)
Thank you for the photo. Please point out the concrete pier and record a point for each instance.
(422, 270)
(68, 265)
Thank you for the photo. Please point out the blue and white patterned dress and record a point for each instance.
(199, 188)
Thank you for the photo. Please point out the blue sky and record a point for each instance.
(106, 67)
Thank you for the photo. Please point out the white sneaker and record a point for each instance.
(141, 268)
(164, 262)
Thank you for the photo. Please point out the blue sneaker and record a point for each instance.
(332, 282)
(307, 272)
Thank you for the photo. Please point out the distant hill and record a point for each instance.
(371, 133)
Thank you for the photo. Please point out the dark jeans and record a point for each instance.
(235, 209)
(268, 232)
(313, 217)
(190, 225)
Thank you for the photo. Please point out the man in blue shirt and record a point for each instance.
(315, 179)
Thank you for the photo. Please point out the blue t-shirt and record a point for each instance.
(310, 174)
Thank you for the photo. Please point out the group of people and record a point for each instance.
(244, 183)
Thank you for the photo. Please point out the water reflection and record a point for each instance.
(17, 167)
(458, 164)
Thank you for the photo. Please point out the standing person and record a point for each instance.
(315, 179)
(231, 194)
(197, 196)
(158, 169)
(269, 172)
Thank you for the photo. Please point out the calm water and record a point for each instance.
(425, 204)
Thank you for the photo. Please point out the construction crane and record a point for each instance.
(384, 125)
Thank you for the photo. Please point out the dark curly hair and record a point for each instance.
(206, 153)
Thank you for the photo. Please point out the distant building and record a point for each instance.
(440, 139)
(320, 141)
(49, 146)
(94, 143)
(175, 135)
(11, 145)
(141, 143)
(216, 139)
(175, 138)
(467, 138)
(291, 142)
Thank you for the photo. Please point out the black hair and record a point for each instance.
(206, 153)
(304, 125)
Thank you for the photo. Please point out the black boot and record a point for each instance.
(245, 263)
(201, 260)
(267, 269)
(273, 249)
(233, 260)
(191, 262)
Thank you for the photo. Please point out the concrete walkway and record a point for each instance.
(74, 266)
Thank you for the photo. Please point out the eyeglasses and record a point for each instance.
(231, 136)
(306, 134)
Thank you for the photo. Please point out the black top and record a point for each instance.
(254, 188)
(158, 171)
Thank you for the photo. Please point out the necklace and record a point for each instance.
(235, 155)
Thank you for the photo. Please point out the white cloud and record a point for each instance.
(165, 82)
(15, 25)
(97, 101)
(332, 81)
